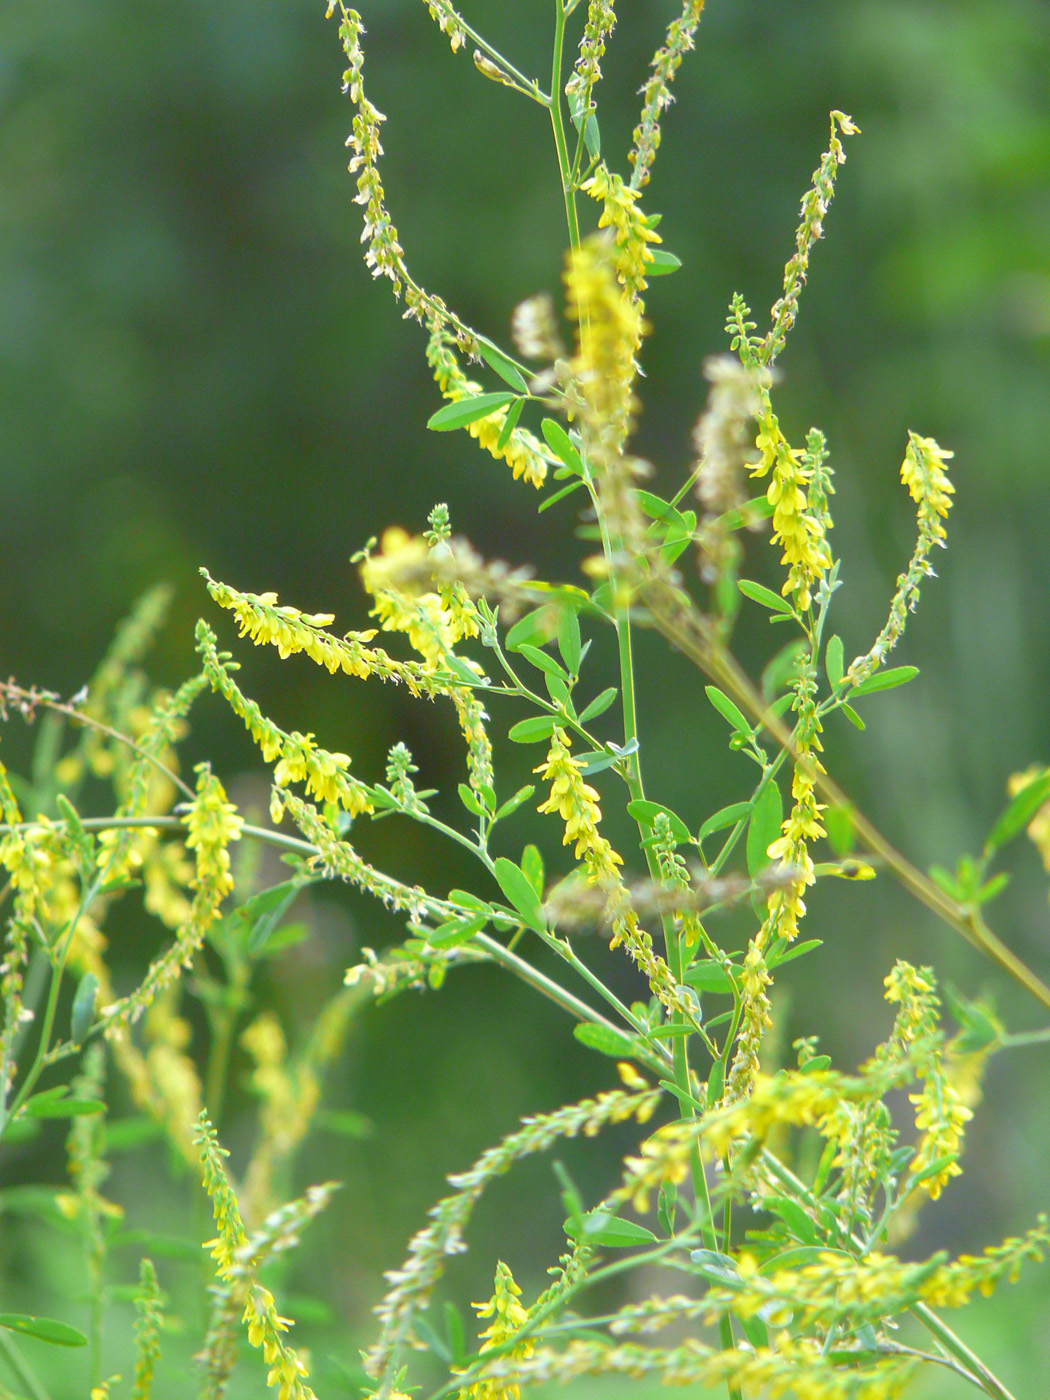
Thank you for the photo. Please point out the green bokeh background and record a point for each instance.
(196, 368)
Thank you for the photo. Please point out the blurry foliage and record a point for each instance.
(194, 366)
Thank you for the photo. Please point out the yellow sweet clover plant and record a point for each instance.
(779, 1260)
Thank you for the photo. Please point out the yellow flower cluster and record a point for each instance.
(632, 231)
(924, 473)
(300, 759)
(508, 1318)
(212, 823)
(609, 330)
(431, 628)
(229, 1249)
(802, 825)
(942, 1116)
(576, 802)
(795, 526)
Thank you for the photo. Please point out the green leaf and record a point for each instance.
(765, 596)
(599, 704)
(838, 823)
(646, 812)
(542, 661)
(466, 411)
(513, 803)
(83, 1012)
(466, 900)
(456, 931)
(569, 642)
(721, 1268)
(531, 731)
(794, 1217)
(606, 1040)
(708, 976)
(558, 496)
(509, 424)
(665, 1206)
(518, 888)
(852, 716)
(59, 1334)
(885, 680)
(1019, 812)
(532, 866)
(507, 369)
(791, 951)
(727, 709)
(755, 1330)
(660, 509)
(725, 816)
(764, 827)
(263, 912)
(53, 1103)
(536, 626)
(125, 1134)
(559, 442)
(286, 936)
(601, 1228)
(583, 118)
(469, 800)
(662, 263)
(834, 662)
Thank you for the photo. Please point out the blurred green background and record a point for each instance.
(196, 369)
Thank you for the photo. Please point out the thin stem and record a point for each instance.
(557, 122)
(21, 1371)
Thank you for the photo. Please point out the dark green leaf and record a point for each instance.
(764, 827)
(504, 366)
(765, 596)
(599, 704)
(59, 1334)
(646, 812)
(1019, 812)
(726, 816)
(559, 442)
(885, 680)
(662, 263)
(83, 1012)
(531, 731)
(727, 709)
(509, 424)
(517, 886)
(466, 411)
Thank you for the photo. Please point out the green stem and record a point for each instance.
(19, 1369)
(557, 122)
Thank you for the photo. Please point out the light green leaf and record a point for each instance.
(542, 661)
(791, 951)
(599, 704)
(764, 827)
(508, 370)
(59, 1334)
(1019, 812)
(606, 1040)
(610, 1231)
(456, 931)
(470, 801)
(569, 642)
(465, 411)
(532, 866)
(708, 976)
(765, 596)
(727, 709)
(517, 886)
(509, 424)
(531, 731)
(662, 263)
(513, 803)
(724, 817)
(646, 812)
(885, 680)
(834, 661)
(559, 442)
